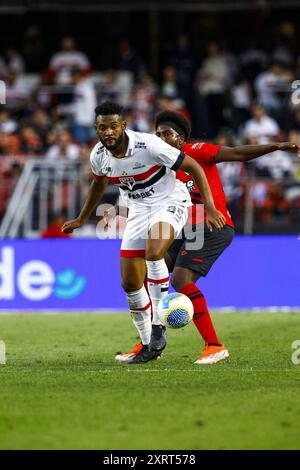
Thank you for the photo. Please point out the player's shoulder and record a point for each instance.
(198, 149)
(143, 138)
(203, 151)
(194, 146)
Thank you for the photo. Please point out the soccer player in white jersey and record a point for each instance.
(143, 166)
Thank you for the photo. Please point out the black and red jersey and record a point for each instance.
(204, 154)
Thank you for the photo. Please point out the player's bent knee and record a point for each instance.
(131, 286)
(154, 255)
(177, 283)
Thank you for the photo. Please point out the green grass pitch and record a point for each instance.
(62, 389)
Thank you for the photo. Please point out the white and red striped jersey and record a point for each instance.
(146, 174)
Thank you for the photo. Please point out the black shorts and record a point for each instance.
(201, 260)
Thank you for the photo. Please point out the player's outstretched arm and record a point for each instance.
(243, 153)
(213, 216)
(95, 193)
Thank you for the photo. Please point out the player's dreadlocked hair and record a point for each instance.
(175, 120)
(107, 108)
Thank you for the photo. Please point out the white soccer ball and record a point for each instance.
(175, 310)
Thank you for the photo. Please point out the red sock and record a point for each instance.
(201, 317)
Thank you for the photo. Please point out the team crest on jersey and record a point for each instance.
(129, 182)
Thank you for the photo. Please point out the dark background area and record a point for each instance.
(152, 32)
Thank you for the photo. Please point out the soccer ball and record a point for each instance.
(175, 310)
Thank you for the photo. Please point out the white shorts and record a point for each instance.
(139, 223)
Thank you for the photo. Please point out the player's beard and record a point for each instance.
(114, 147)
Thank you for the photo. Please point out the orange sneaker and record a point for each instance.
(130, 355)
(212, 354)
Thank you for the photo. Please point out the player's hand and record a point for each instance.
(71, 225)
(108, 217)
(289, 147)
(215, 218)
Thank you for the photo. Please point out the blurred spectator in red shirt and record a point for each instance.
(54, 228)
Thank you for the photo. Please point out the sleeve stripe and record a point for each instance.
(178, 162)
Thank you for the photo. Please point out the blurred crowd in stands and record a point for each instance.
(231, 99)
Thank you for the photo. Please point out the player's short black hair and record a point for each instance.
(175, 120)
(107, 108)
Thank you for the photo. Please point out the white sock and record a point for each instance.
(158, 285)
(140, 311)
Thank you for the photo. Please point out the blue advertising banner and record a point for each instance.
(255, 271)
